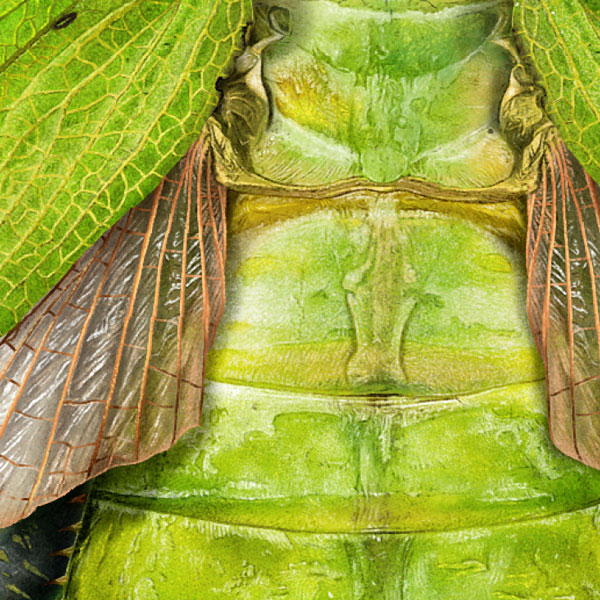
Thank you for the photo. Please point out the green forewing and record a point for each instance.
(93, 115)
(21, 21)
(561, 39)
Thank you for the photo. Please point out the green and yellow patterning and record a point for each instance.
(374, 419)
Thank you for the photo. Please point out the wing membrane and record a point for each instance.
(108, 368)
(563, 257)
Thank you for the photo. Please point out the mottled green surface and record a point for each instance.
(445, 492)
(561, 39)
(385, 91)
(352, 298)
(92, 116)
(402, 5)
(136, 555)
(310, 463)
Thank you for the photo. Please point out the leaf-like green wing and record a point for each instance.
(21, 21)
(561, 39)
(95, 108)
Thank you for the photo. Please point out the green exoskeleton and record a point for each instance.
(390, 183)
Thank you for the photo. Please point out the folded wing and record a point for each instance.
(108, 368)
(563, 258)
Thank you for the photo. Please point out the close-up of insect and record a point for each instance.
(299, 299)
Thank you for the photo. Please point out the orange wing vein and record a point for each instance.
(563, 261)
(108, 368)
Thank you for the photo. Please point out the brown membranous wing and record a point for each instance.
(108, 368)
(563, 260)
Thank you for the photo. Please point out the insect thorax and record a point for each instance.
(379, 91)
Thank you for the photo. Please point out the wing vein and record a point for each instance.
(563, 197)
(70, 376)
